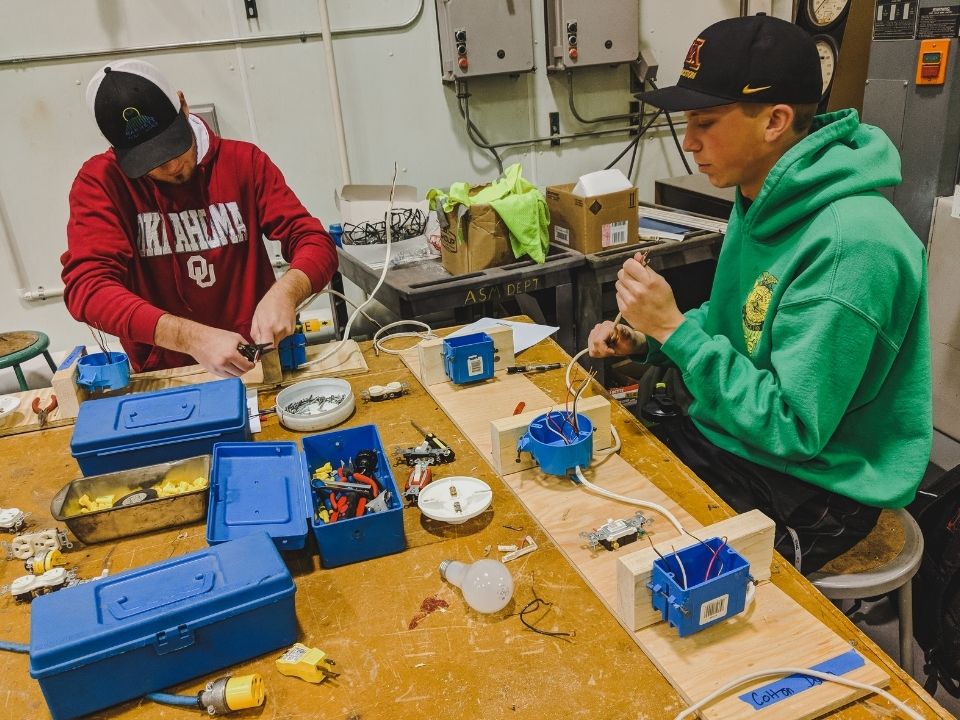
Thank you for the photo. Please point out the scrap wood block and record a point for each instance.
(750, 534)
(431, 355)
(506, 432)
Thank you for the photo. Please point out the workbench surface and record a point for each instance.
(398, 657)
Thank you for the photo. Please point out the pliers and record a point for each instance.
(253, 351)
(42, 414)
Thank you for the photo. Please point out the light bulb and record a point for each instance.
(487, 585)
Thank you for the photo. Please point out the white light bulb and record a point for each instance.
(487, 585)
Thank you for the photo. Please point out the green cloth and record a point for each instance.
(516, 201)
(812, 356)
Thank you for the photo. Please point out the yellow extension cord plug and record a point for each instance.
(227, 694)
(306, 663)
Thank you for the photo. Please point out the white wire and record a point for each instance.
(683, 570)
(797, 671)
(610, 450)
(331, 291)
(572, 362)
(632, 501)
(378, 340)
(383, 275)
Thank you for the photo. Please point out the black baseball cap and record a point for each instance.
(139, 114)
(753, 59)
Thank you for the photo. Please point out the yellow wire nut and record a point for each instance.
(245, 691)
(306, 663)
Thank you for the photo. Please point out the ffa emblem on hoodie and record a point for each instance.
(755, 309)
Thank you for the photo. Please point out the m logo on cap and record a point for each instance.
(692, 62)
(137, 124)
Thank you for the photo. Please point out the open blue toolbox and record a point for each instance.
(130, 431)
(266, 486)
(117, 638)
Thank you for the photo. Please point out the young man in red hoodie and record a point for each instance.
(164, 243)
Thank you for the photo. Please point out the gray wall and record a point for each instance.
(395, 107)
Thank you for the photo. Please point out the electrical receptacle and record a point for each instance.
(635, 118)
(554, 129)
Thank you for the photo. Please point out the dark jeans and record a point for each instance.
(813, 525)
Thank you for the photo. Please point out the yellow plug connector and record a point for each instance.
(226, 694)
(306, 663)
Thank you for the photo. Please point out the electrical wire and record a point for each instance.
(673, 131)
(716, 554)
(174, 700)
(383, 274)
(840, 680)
(462, 95)
(671, 518)
(378, 340)
(683, 570)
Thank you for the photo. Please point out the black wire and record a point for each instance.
(673, 131)
(537, 602)
(463, 96)
(633, 157)
(636, 140)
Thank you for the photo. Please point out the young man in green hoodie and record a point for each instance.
(809, 367)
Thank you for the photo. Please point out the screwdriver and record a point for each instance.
(430, 437)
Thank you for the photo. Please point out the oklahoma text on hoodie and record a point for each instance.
(137, 249)
(812, 355)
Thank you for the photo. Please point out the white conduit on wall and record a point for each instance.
(334, 93)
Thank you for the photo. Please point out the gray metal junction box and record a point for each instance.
(484, 37)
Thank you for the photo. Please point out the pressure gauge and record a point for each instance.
(827, 49)
(822, 14)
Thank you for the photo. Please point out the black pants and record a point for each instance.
(813, 525)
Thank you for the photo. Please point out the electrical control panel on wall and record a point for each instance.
(484, 37)
(581, 33)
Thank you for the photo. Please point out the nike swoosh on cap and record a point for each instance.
(747, 90)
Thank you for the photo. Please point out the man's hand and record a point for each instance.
(213, 348)
(607, 340)
(646, 300)
(276, 314)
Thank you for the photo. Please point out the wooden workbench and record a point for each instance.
(399, 662)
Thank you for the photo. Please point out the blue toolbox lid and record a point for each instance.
(259, 486)
(146, 419)
(160, 604)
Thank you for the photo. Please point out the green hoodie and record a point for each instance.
(812, 355)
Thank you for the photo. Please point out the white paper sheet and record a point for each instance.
(524, 334)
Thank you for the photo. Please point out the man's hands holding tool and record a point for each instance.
(608, 340)
(216, 350)
(276, 314)
(646, 300)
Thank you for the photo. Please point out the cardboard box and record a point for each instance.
(485, 240)
(368, 203)
(592, 224)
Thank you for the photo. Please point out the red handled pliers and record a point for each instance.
(42, 414)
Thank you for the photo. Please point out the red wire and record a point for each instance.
(713, 560)
(558, 428)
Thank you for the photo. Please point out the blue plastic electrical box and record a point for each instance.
(558, 442)
(117, 638)
(266, 486)
(468, 358)
(293, 351)
(130, 431)
(700, 585)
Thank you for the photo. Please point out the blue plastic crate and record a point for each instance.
(117, 638)
(716, 583)
(468, 358)
(130, 431)
(265, 486)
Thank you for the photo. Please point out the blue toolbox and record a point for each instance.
(117, 638)
(130, 431)
(271, 487)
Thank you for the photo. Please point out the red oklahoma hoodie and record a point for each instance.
(137, 249)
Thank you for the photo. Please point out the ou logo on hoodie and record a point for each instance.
(200, 271)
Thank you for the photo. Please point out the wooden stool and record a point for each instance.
(885, 560)
(18, 347)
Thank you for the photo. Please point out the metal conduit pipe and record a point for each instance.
(201, 44)
(334, 88)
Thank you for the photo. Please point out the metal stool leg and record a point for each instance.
(53, 368)
(905, 609)
(20, 378)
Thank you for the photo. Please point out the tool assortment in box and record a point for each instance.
(340, 486)
(130, 431)
(117, 638)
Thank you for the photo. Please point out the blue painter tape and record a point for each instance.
(786, 687)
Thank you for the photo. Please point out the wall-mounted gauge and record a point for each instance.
(828, 51)
(823, 14)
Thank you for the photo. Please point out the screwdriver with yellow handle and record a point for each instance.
(432, 439)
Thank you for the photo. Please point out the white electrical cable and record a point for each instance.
(348, 301)
(691, 710)
(610, 450)
(573, 362)
(632, 501)
(378, 340)
(383, 275)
